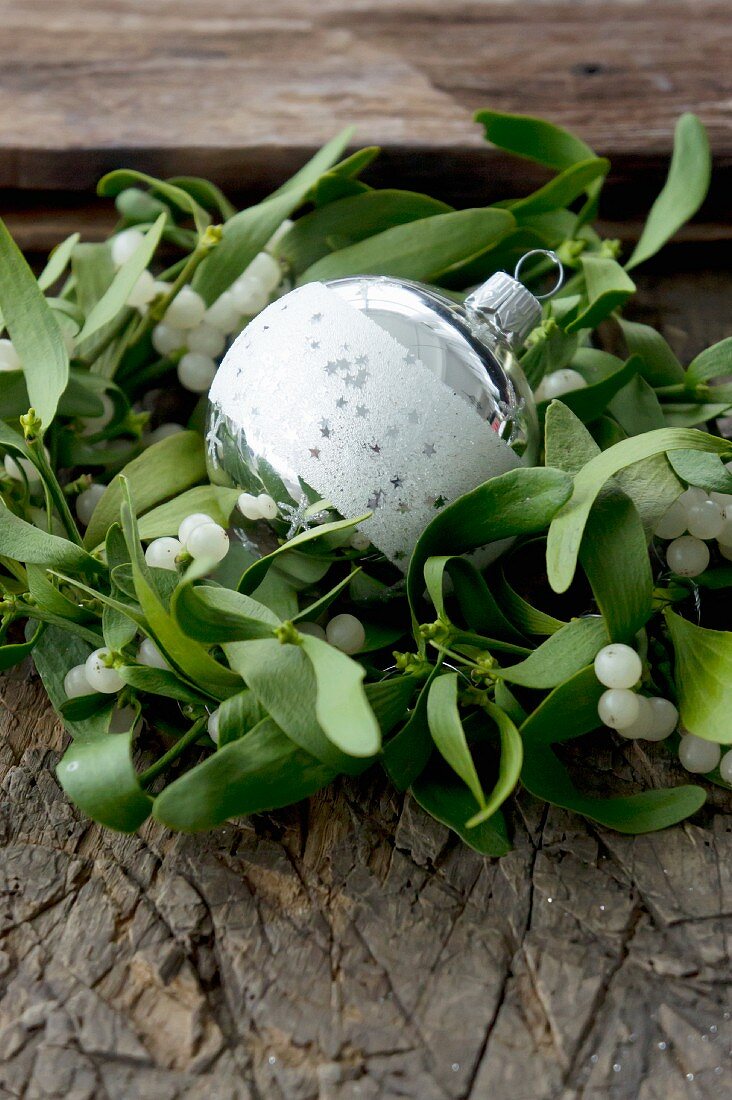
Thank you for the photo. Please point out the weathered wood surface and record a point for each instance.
(350, 948)
(244, 91)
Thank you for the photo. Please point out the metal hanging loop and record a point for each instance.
(549, 254)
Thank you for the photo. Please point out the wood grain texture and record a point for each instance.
(350, 948)
(244, 91)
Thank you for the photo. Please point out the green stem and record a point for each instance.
(38, 454)
(173, 752)
(156, 312)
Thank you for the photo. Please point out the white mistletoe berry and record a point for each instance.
(100, 676)
(618, 666)
(161, 553)
(346, 633)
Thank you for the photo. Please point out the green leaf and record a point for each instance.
(533, 138)
(113, 183)
(614, 556)
(15, 652)
(547, 779)
(353, 219)
(705, 470)
(592, 400)
(283, 679)
(185, 654)
(205, 193)
(48, 597)
(691, 415)
(519, 502)
(24, 542)
(509, 765)
(115, 297)
(529, 619)
(98, 776)
(567, 527)
(449, 802)
(607, 288)
(247, 233)
(58, 261)
(118, 629)
(160, 472)
(405, 756)
(660, 365)
(474, 598)
(569, 711)
(703, 675)
(389, 700)
(713, 362)
(448, 735)
(260, 771)
(561, 656)
(540, 141)
(212, 615)
(341, 706)
(256, 572)
(213, 500)
(238, 715)
(159, 681)
(33, 329)
(683, 192)
(636, 408)
(418, 250)
(563, 189)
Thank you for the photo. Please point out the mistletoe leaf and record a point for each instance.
(341, 705)
(99, 777)
(509, 765)
(546, 778)
(448, 801)
(212, 615)
(58, 261)
(448, 734)
(34, 330)
(406, 754)
(115, 296)
(660, 367)
(283, 679)
(561, 656)
(713, 362)
(520, 502)
(260, 771)
(213, 500)
(164, 470)
(479, 608)
(702, 674)
(247, 232)
(608, 287)
(567, 527)
(569, 711)
(24, 542)
(353, 219)
(683, 192)
(418, 250)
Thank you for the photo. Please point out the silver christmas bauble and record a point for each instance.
(375, 395)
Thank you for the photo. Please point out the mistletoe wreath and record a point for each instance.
(200, 679)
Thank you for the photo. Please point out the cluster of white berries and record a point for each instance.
(198, 535)
(262, 507)
(558, 383)
(693, 519)
(201, 333)
(618, 668)
(638, 717)
(98, 676)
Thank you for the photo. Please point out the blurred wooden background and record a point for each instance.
(351, 948)
(244, 90)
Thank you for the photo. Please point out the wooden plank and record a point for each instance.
(244, 92)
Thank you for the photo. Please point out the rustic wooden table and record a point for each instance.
(351, 948)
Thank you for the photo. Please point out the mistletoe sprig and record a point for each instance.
(196, 681)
